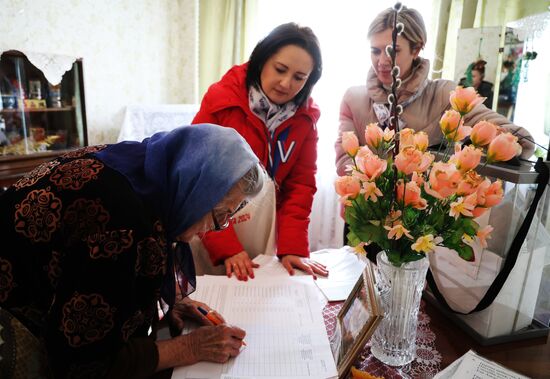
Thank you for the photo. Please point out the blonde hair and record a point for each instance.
(414, 31)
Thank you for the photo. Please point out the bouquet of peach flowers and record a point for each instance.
(399, 196)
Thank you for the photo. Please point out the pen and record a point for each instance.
(212, 317)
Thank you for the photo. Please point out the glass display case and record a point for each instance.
(39, 118)
(521, 309)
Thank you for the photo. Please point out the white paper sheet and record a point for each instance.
(286, 335)
(270, 267)
(474, 366)
(344, 267)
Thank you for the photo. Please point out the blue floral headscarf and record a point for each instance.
(182, 175)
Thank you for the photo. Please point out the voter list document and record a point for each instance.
(285, 331)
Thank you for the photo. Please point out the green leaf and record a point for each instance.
(353, 240)
(454, 237)
(470, 226)
(412, 256)
(437, 219)
(394, 257)
(367, 232)
(465, 252)
(409, 216)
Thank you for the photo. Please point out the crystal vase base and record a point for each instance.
(395, 357)
(400, 289)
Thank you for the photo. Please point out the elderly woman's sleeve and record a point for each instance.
(137, 359)
(105, 298)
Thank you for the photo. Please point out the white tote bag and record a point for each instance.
(255, 228)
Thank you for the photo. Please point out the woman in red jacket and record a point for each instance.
(267, 100)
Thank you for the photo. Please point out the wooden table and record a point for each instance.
(528, 357)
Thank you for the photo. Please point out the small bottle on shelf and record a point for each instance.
(55, 96)
(35, 89)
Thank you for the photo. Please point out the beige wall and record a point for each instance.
(133, 51)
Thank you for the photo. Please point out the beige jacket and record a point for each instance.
(422, 114)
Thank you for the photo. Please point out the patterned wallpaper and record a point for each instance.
(133, 51)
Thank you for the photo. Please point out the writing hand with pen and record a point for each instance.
(215, 341)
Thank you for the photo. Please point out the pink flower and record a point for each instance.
(347, 187)
(371, 192)
(504, 147)
(462, 207)
(462, 132)
(411, 160)
(463, 100)
(388, 134)
(374, 135)
(483, 235)
(406, 138)
(369, 164)
(421, 141)
(494, 194)
(397, 231)
(417, 178)
(392, 217)
(482, 190)
(350, 143)
(478, 211)
(483, 133)
(450, 121)
(443, 180)
(469, 183)
(410, 194)
(489, 194)
(468, 158)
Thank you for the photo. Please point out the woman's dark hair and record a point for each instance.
(283, 35)
(479, 66)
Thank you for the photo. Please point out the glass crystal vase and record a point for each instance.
(400, 288)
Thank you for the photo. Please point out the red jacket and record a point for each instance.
(294, 153)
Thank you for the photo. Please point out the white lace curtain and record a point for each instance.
(52, 65)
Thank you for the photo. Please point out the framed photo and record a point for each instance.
(356, 321)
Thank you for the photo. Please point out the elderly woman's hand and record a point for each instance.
(241, 265)
(207, 343)
(307, 265)
(212, 343)
(188, 308)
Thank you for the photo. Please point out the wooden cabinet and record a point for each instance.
(39, 120)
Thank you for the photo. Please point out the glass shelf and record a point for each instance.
(38, 119)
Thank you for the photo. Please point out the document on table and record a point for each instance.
(285, 330)
(344, 268)
(474, 366)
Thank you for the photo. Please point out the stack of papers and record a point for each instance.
(282, 316)
(345, 268)
(474, 366)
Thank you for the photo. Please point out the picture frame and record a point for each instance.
(356, 322)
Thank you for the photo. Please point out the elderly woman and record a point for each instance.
(93, 241)
(267, 100)
(423, 100)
